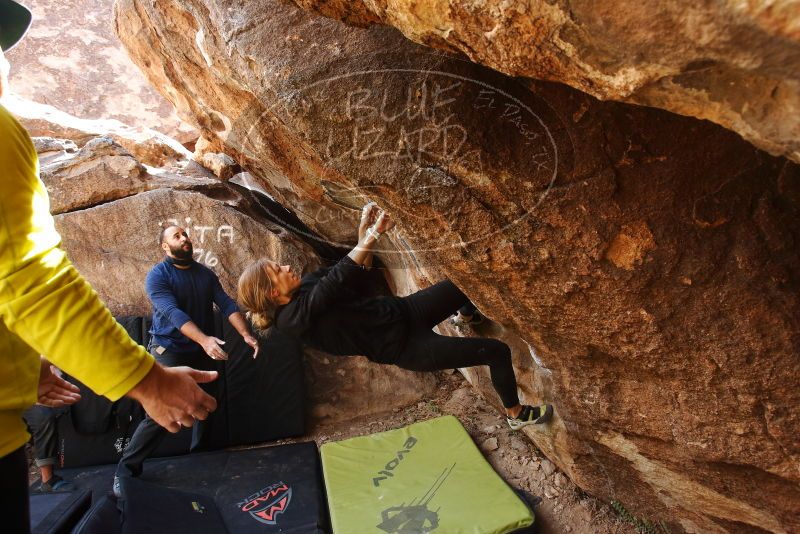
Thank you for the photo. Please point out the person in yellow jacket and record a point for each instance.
(46, 307)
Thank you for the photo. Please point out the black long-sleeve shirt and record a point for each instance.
(328, 312)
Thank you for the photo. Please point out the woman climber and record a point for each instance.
(328, 310)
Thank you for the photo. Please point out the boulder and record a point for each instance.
(737, 64)
(51, 149)
(642, 265)
(222, 165)
(102, 171)
(48, 145)
(114, 244)
(99, 172)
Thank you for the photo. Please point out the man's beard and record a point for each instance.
(180, 253)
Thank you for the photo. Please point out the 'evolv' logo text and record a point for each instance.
(394, 462)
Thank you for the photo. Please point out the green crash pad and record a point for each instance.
(426, 477)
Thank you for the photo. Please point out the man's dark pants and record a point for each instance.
(149, 434)
(43, 426)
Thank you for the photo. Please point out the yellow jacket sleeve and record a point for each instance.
(46, 307)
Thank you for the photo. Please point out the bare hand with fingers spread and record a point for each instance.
(54, 391)
(213, 347)
(253, 342)
(170, 396)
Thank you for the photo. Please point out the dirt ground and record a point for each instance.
(563, 508)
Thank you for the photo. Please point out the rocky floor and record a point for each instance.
(563, 508)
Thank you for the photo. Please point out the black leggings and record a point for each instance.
(428, 351)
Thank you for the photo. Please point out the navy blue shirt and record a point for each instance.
(182, 295)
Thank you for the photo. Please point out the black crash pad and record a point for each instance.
(148, 507)
(76, 448)
(102, 518)
(264, 398)
(269, 489)
(58, 512)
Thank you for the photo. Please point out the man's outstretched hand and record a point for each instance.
(253, 342)
(171, 396)
(54, 391)
(213, 347)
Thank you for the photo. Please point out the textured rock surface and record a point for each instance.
(734, 63)
(643, 265)
(148, 146)
(99, 172)
(222, 165)
(72, 60)
(114, 244)
(345, 388)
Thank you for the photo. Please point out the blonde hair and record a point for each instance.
(253, 294)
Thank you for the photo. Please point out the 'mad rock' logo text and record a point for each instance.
(268, 503)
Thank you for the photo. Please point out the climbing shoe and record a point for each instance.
(459, 321)
(531, 415)
(56, 483)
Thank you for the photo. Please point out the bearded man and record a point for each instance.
(183, 293)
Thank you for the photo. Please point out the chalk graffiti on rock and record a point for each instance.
(423, 124)
(420, 142)
(421, 127)
(512, 113)
(203, 236)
